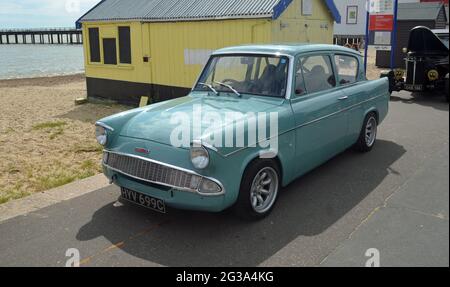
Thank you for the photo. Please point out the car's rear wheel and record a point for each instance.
(259, 190)
(368, 136)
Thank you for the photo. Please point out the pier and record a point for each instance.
(41, 36)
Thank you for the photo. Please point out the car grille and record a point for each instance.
(151, 171)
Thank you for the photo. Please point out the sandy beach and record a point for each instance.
(45, 139)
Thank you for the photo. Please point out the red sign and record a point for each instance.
(381, 22)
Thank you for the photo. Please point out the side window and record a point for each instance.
(300, 88)
(124, 45)
(347, 69)
(94, 45)
(109, 51)
(318, 73)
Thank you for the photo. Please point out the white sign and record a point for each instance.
(382, 38)
(307, 7)
(382, 48)
(382, 41)
(385, 7)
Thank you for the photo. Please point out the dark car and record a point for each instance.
(427, 62)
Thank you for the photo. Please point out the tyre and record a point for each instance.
(259, 189)
(368, 135)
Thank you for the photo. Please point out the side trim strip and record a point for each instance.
(309, 123)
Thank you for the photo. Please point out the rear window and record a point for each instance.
(347, 69)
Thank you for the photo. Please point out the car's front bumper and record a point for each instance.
(172, 197)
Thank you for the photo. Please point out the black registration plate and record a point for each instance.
(143, 200)
(410, 87)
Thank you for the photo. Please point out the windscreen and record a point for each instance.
(247, 74)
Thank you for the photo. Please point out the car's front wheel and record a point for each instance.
(368, 136)
(259, 190)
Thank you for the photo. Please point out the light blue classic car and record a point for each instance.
(258, 118)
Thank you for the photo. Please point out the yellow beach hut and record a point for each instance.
(157, 48)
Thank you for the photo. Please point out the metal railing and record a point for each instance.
(54, 29)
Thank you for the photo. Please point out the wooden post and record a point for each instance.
(1, 38)
(17, 38)
(7, 39)
(24, 38)
(33, 40)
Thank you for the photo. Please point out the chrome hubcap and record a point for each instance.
(264, 190)
(371, 131)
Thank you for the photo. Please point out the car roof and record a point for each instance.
(292, 49)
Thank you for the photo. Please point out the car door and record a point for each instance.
(317, 103)
(350, 75)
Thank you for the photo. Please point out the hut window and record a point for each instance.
(124, 45)
(109, 51)
(94, 45)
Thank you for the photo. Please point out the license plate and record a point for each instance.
(143, 200)
(414, 87)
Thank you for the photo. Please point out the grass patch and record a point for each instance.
(15, 192)
(55, 129)
(49, 125)
(90, 165)
(63, 176)
(8, 131)
(56, 133)
(88, 148)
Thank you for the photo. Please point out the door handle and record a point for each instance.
(343, 98)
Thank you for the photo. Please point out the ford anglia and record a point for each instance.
(258, 117)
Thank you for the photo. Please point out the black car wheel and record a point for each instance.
(259, 190)
(368, 135)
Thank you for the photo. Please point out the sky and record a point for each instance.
(42, 13)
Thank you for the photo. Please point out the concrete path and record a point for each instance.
(394, 199)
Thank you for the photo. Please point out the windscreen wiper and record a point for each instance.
(229, 87)
(210, 87)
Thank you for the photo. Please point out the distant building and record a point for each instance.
(352, 28)
(410, 15)
(157, 48)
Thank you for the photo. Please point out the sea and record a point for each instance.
(29, 61)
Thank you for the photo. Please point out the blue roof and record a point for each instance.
(189, 10)
(334, 11)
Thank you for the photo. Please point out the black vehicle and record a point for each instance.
(427, 62)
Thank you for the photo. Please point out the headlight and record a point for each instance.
(199, 157)
(101, 135)
(209, 187)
